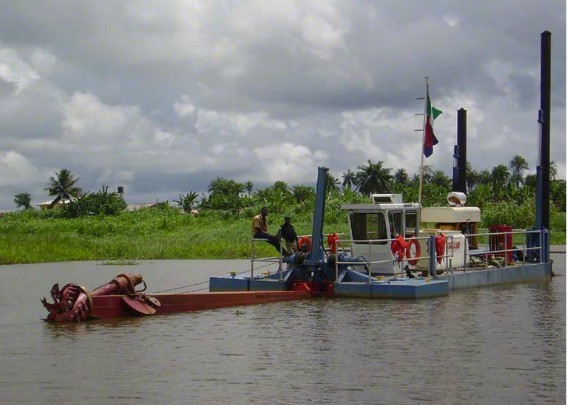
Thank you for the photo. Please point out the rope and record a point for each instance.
(183, 286)
(258, 268)
(204, 282)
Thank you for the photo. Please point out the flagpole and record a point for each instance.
(422, 151)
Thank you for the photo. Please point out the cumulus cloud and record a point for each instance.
(288, 161)
(17, 170)
(163, 97)
(15, 71)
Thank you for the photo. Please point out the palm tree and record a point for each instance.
(222, 186)
(553, 170)
(280, 185)
(225, 194)
(62, 186)
(427, 173)
(332, 183)
(472, 177)
(499, 177)
(373, 178)
(518, 165)
(187, 202)
(276, 197)
(485, 177)
(439, 178)
(302, 193)
(248, 187)
(401, 176)
(558, 194)
(349, 179)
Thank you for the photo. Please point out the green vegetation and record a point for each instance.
(165, 233)
(99, 203)
(96, 227)
(63, 186)
(23, 200)
(151, 233)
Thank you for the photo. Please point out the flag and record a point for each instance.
(429, 138)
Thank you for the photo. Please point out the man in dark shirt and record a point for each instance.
(288, 233)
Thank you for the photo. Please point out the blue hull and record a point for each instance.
(505, 275)
(354, 284)
(399, 288)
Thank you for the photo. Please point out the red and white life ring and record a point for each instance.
(413, 251)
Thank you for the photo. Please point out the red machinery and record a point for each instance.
(119, 298)
(501, 242)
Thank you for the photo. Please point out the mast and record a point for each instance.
(425, 117)
(460, 154)
(316, 257)
(544, 120)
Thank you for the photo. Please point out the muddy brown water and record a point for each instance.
(504, 344)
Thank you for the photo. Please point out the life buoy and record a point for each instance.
(304, 244)
(332, 238)
(413, 251)
(440, 247)
(398, 247)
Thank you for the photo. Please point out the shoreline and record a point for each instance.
(554, 249)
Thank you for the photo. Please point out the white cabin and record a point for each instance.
(374, 225)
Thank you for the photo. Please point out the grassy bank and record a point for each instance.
(150, 234)
(141, 235)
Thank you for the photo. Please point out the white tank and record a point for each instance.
(456, 249)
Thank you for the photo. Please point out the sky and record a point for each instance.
(162, 97)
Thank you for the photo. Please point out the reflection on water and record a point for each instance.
(494, 345)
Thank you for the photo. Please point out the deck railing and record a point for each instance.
(270, 260)
(492, 247)
(496, 247)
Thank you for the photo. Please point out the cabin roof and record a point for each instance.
(379, 206)
(449, 215)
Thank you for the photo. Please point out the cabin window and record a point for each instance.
(368, 226)
(410, 219)
(382, 228)
(395, 220)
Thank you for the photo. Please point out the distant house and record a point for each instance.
(136, 207)
(47, 205)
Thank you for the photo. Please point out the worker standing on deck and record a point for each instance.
(260, 229)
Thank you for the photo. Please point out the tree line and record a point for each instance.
(63, 187)
(503, 184)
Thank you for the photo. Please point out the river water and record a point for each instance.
(498, 345)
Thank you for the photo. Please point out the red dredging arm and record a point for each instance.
(74, 303)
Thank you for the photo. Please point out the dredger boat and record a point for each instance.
(386, 256)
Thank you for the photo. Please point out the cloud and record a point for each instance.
(15, 71)
(184, 107)
(287, 161)
(163, 97)
(17, 170)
